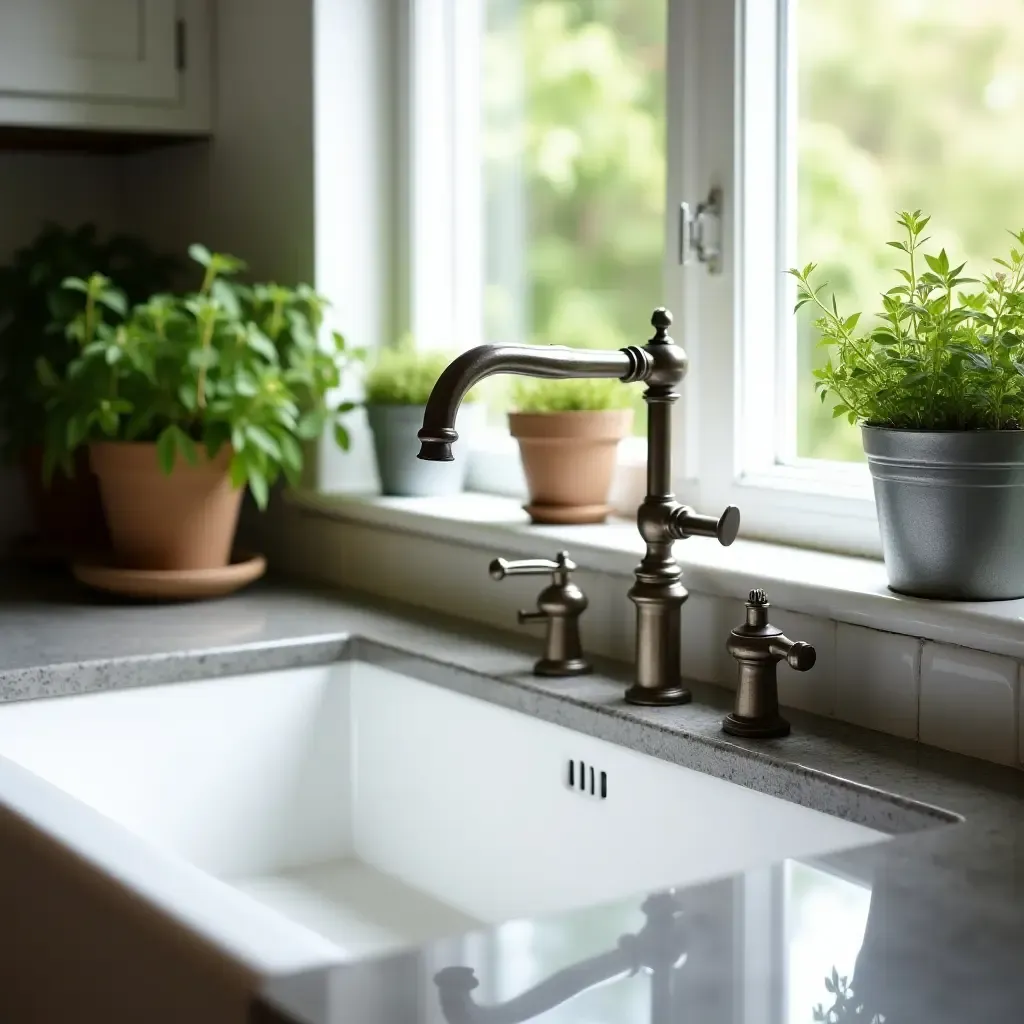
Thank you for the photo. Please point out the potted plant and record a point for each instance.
(34, 309)
(184, 401)
(937, 385)
(568, 432)
(397, 388)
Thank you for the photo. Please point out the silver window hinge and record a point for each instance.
(700, 232)
(180, 44)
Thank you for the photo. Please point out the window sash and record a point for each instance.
(737, 436)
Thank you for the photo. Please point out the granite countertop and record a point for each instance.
(929, 925)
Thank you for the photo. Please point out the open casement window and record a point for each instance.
(576, 163)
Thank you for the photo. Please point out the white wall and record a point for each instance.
(249, 190)
(34, 188)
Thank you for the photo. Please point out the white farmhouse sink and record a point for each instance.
(346, 810)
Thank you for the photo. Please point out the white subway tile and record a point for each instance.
(877, 677)
(969, 702)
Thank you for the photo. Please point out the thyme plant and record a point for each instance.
(947, 352)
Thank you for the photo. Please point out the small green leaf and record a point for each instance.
(166, 450)
(224, 295)
(311, 425)
(186, 446)
(885, 338)
(200, 254)
(291, 453)
(341, 437)
(261, 344)
(238, 471)
(114, 300)
(259, 488)
(263, 440)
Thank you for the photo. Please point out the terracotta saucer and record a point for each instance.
(170, 584)
(568, 514)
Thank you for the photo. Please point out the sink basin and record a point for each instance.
(329, 813)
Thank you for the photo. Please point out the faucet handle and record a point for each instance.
(559, 606)
(759, 646)
(684, 522)
(502, 567)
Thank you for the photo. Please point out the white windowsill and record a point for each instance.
(839, 587)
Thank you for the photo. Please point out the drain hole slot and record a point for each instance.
(586, 778)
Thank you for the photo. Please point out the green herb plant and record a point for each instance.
(35, 308)
(401, 375)
(530, 394)
(943, 356)
(227, 364)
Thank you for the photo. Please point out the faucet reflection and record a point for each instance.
(658, 949)
(657, 592)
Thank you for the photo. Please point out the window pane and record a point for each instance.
(901, 104)
(574, 164)
(825, 921)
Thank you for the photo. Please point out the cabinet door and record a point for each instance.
(89, 49)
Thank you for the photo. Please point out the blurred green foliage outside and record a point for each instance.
(902, 104)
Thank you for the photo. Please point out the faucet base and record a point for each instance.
(556, 667)
(761, 728)
(662, 696)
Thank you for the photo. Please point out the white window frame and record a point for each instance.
(729, 422)
(729, 434)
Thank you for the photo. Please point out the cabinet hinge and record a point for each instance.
(180, 44)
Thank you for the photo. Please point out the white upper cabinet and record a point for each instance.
(132, 65)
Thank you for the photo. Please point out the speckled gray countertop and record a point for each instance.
(944, 936)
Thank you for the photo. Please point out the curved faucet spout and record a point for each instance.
(658, 591)
(552, 361)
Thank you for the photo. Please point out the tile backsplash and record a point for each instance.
(969, 702)
(878, 678)
(953, 697)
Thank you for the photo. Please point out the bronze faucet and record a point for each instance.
(559, 607)
(658, 950)
(759, 646)
(658, 592)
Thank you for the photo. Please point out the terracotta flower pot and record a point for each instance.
(186, 520)
(67, 514)
(568, 459)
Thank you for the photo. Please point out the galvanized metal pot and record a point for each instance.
(950, 511)
(396, 445)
